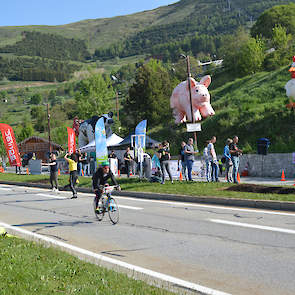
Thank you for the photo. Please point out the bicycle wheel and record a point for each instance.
(98, 213)
(113, 210)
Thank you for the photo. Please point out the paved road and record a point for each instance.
(237, 251)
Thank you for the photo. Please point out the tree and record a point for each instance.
(149, 95)
(283, 15)
(242, 54)
(26, 130)
(95, 96)
(36, 98)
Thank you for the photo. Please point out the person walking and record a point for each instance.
(190, 157)
(213, 159)
(73, 163)
(228, 161)
(235, 152)
(128, 161)
(53, 172)
(181, 158)
(164, 156)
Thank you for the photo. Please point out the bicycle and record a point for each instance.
(107, 203)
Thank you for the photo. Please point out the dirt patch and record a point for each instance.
(261, 189)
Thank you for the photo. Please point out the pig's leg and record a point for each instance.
(197, 115)
(188, 112)
(178, 116)
(207, 110)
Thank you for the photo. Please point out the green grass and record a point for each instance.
(27, 268)
(194, 189)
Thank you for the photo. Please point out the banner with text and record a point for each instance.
(10, 145)
(71, 140)
(100, 142)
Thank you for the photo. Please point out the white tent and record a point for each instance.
(114, 139)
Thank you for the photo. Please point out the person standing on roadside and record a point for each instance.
(207, 162)
(53, 172)
(235, 153)
(213, 159)
(228, 161)
(164, 156)
(190, 157)
(128, 161)
(73, 163)
(181, 158)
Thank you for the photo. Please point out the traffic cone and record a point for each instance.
(58, 172)
(180, 176)
(238, 177)
(245, 171)
(283, 176)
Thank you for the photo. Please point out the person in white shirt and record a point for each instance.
(213, 159)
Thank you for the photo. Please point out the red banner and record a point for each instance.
(71, 140)
(10, 145)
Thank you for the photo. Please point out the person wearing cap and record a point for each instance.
(73, 163)
(101, 177)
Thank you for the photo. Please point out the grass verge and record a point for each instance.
(179, 188)
(28, 268)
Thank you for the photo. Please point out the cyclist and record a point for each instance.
(100, 178)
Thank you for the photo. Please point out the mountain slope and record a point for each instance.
(183, 18)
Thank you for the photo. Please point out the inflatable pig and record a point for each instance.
(180, 100)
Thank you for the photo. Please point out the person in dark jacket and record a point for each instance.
(101, 177)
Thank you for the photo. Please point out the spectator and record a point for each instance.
(128, 161)
(73, 162)
(80, 166)
(112, 155)
(189, 156)
(228, 161)
(235, 153)
(213, 159)
(85, 164)
(207, 162)
(181, 157)
(164, 156)
(53, 172)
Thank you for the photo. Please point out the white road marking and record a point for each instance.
(5, 189)
(98, 257)
(130, 207)
(210, 206)
(51, 196)
(270, 228)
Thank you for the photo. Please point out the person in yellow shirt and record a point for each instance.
(73, 163)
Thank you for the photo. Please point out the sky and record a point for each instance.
(59, 12)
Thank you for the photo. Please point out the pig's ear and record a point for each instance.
(193, 82)
(206, 81)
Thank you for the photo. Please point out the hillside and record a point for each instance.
(160, 25)
(251, 107)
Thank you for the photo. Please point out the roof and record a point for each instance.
(40, 139)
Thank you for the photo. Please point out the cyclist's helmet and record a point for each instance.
(105, 164)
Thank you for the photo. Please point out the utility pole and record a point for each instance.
(48, 120)
(190, 93)
(117, 104)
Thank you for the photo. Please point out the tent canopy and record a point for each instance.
(149, 141)
(113, 140)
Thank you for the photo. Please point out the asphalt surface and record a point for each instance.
(230, 249)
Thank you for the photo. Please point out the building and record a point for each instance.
(39, 146)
